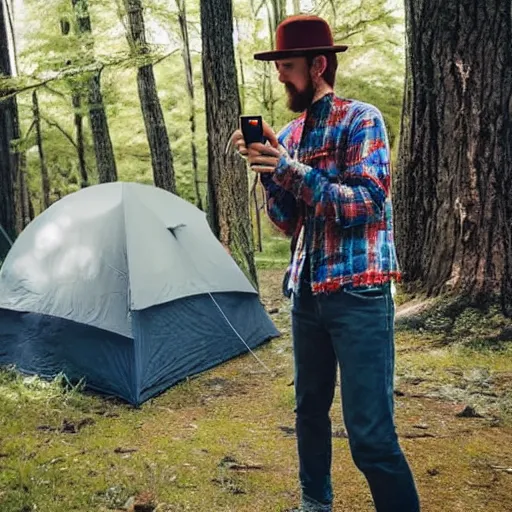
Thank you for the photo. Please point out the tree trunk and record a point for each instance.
(228, 194)
(257, 213)
(453, 188)
(278, 11)
(154, 122)
(103, 148)
(80, 146)
(9, 130)
(78, 117)
(269, 101)
(296, 6)
(22, 196)
(45, 180)
(187, 60)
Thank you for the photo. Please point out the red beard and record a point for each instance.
(300, 101)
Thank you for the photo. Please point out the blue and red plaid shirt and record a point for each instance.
(331, 193)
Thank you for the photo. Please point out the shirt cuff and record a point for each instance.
(289, 174)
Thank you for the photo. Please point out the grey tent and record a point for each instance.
(125, 286)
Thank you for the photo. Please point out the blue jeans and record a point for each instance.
(352, 328)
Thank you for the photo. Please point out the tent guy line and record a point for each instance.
(238, 334)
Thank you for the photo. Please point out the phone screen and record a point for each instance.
(252, 129)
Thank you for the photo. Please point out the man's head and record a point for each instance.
(304, 76)
(305, 57)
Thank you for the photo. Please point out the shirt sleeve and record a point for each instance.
(281, 205)
(360, 194)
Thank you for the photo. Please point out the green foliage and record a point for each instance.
(372, 71)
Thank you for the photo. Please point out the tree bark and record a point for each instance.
(21, 193)
(45, 180)
(103, 149)
(257, 213)
(78, 117)
(22, 196)
(80, 145)
(454, 183)
(228, 194)
(154, 122)
(187, 60)
(9, 130)
(278, 11)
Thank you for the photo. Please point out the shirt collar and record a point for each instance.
(320, 107)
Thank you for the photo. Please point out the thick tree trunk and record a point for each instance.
(9, 130)
(103, 149)
(454, 184)
(187, 60)
(154, 122)
(228, 194)
(45, 180)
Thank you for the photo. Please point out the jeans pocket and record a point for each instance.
(367, 293)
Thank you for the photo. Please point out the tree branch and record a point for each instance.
(95, 67)
(54, 124)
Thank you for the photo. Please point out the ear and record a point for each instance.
(318, 66)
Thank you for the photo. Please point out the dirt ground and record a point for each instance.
(460, 462)
(224, 441)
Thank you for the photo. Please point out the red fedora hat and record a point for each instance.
(301, 35)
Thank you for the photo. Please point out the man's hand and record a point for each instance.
(261, 157)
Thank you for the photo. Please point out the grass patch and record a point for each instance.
(225, 442)
(276, 248)
(461, 322)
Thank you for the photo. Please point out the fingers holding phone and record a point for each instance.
(263, 158)
(238, 141)
(260, 142)
(270, 135)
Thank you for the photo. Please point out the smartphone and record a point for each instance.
(252, 129)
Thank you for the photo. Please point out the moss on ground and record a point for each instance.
(225, 441)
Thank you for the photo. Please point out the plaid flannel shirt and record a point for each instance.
(331, 193)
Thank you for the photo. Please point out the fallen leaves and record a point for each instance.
(67, 426)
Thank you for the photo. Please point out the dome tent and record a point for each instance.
(125, 286)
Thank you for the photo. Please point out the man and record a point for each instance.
(327, 180)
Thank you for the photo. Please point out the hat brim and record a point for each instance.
(287, 54)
